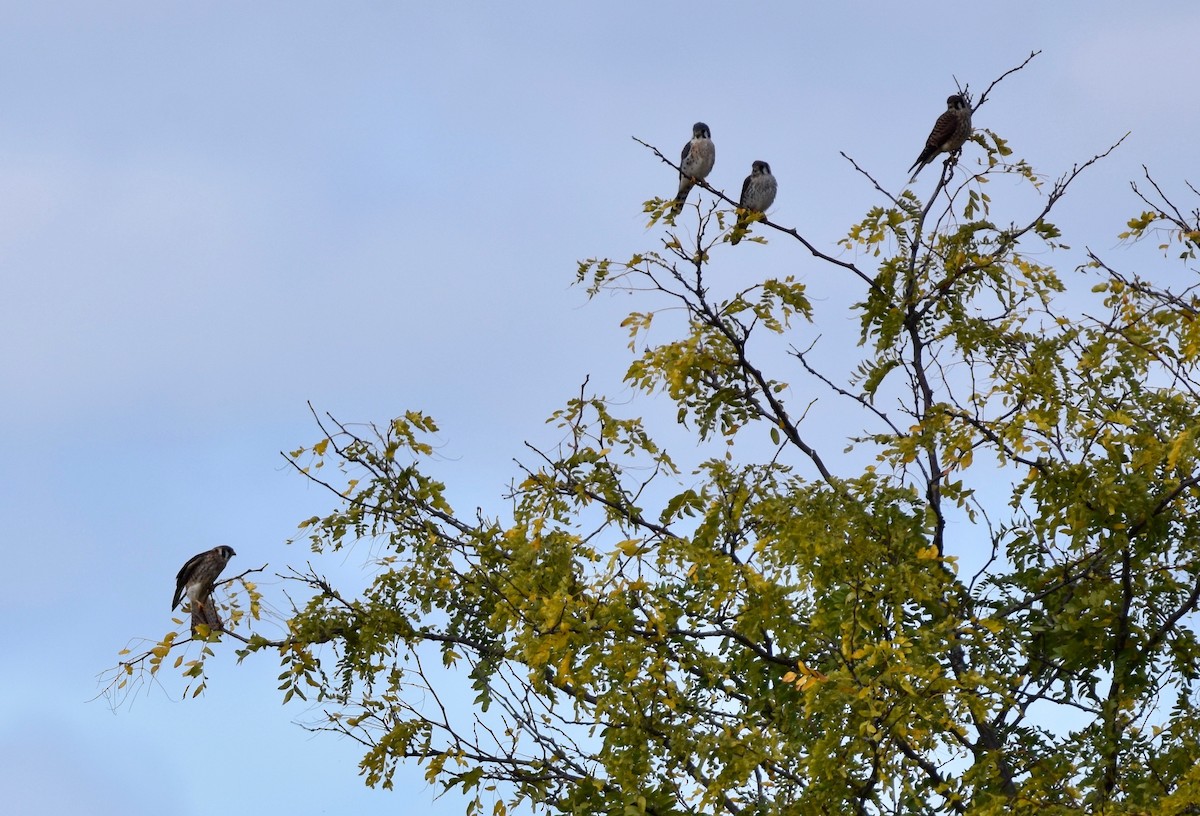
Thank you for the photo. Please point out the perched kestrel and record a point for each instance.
(949, 132)
(695, 164)
(758, 193)
(197, 578)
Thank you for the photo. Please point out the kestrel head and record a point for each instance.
(955, 102)
(700, 131)
(760, 167)
(226, 552)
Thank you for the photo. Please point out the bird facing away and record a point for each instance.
(949, 132)
(196, 578)
(758, 193)
(696, 163)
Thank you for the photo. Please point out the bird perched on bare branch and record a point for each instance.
(758, 193)
(695, 164)
(197, 578)
(950, 131)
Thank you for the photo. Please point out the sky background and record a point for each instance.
(212, 213)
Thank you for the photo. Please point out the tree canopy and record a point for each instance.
(799, 632)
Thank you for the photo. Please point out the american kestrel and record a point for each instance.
(197, 578)
(949, 132)
(696, 163)
(758, 193)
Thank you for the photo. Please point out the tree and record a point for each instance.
(793, 633)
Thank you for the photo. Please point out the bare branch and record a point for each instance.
(983, 97)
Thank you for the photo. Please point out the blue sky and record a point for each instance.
(211, 213)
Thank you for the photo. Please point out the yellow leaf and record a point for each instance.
(319, 448)
(564, 666)
(993, 626)
(806, 678)
(630, 546)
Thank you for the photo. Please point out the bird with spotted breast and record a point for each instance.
(758, 193)
(196, 579)
(695, 164)
(950, 131)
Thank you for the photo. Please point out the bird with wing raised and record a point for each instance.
(196, 579)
